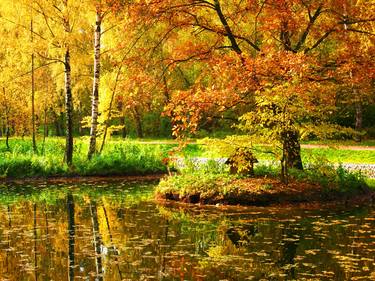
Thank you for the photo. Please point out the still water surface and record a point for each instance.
(115, 231)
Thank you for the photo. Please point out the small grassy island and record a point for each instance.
(264, 187)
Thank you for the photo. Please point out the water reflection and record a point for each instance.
(71, 234)
(115, 232)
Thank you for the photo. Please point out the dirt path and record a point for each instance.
(308, 146)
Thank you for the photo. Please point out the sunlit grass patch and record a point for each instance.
(118, 158)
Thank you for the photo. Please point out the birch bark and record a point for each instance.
(95, 90)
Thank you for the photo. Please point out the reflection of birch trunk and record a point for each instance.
(71, 233)
(162, 253)
(97, 241)
(9, 230)
(111, 241)
(48, 240)
(35, 246)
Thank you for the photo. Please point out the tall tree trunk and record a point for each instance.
(123, 131)
(45, 132)
(69, 110)
(358, 115)
(7, 129)
(80, 129)
(57, 124)
(95, 90)
(7, 135)
(138, 123)
(358, 119)
(71, 233)
(33, 90)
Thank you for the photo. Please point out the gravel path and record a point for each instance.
(366, 169)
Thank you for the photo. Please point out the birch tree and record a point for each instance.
(96, 81)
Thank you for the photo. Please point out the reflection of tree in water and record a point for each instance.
(140, 240)
(8, 236)
(112, 248)
(97, 241)
(71, 235)
(288, 249)
(35, 244)
(242, 234)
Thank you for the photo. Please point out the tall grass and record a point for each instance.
(118, 158)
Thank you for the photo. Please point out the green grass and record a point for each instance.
(370, 183)
(330, 154)
(120, 157)
(128, 157)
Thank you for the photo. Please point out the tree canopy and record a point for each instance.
(296, 67)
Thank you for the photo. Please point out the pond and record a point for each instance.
(115, 231)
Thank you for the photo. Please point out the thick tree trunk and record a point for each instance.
(95, 91)
(69, 111)
(291, 154)
(294, 151)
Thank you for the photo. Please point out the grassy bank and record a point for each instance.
(118, 158)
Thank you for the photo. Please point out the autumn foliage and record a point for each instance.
(277, 65)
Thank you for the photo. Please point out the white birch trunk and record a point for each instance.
(95, 90)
